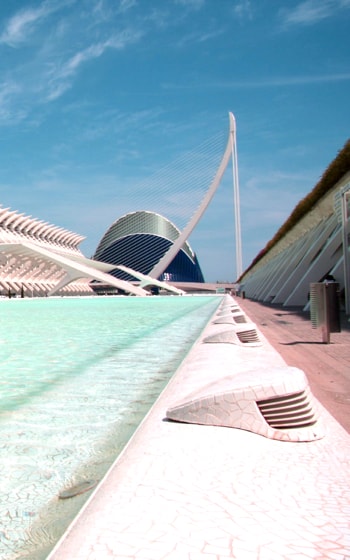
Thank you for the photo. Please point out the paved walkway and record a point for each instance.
(193, 492)
(327, 366)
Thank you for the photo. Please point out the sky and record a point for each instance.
(97, 96)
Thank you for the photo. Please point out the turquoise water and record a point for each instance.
(77, 377)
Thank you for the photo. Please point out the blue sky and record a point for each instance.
(97, 95)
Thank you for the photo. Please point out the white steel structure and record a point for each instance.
(315, 247)
(237, 204)
(39, 259)
(230, 151)
(345, 198)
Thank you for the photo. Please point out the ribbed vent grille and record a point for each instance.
(240, 319)
(289, 411)
(316, 305)
(248, 336)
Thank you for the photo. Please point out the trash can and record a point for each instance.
(325, 308)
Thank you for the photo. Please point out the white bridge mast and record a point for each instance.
(239, 267)
(230, 151)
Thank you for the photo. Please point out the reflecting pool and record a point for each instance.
(77, 377)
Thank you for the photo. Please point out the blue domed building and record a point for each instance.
(139, 240)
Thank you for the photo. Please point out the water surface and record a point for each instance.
(77, 376)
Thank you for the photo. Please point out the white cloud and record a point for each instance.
(59, 49)
(60, 76)
(126, 5)
(6, 90)
(296, 80)
(191, 4)
(278, 81)
(25, 21)
(9, 115)
(243, 9)
(310, 12)
(72, 65)
(269, 199)
(199, 37)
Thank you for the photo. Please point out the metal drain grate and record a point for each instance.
(247, 336)
(289, 411)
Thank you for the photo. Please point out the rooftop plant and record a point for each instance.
(334, 172)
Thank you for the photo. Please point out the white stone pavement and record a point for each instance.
(188, 492)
